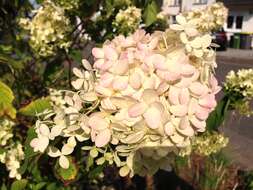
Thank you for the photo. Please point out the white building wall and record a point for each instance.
(187, 5)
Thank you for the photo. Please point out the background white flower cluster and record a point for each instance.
(11, 152)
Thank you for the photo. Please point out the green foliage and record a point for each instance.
(19, 185)
(36, 107)
(67, 174)
(217, 117)
(6, 99)
(150, 13)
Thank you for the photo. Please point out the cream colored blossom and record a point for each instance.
(127, 21)
(11, 152)
(48, 29)
(142, 102)
(209, 143)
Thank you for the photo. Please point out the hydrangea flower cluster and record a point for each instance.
(211, 19)
(11, 153)
(209, 143)
(48, 29)
(239, 87)
(240, 83)
(68, 5)
(127, 21)
(143, 101)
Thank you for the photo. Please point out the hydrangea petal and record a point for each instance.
(153, 117)
(137, 109)
(64, 162)
(103, 138)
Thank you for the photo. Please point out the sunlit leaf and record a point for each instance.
(36, 107)
(150, 13)
(19, 185)
(6, 99)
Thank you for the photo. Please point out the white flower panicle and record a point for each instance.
(209, 19)
(209, 143)
(127, 21)
(145, 98)
(11, 153)
(239, 88)
(240, 83)
(68, 5)
(6, 131)
(48, 29)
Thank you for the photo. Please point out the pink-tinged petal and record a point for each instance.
(110, 53)
(162, 88)
(187, 81)
(120, 67)
(197, 123)
(103, 138)
(169, 129)
(187, 70)
(153, 117)
(106, 79)
(135, 80)
(120, 83)
(214, 85)
(98, 53)
(106, 65)
(149, 96)
(168, 76)
(137, 109)
(99, 63)
(198, 89)
(208, 101)
(193, 106)
(179, 110)
(98, 123)
(202, 113)
(103, 91)
(174, 95)
(184, 96)
(159, 62)
(184, 123)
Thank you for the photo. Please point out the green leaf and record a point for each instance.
(39, 186)
(217, 117)
(96, 171)
(35, 107)
(67, 174)
(54, 70)
(29, 153)
(19, 185)
(3, 187)
(150, 13)
(76, 55)
(6, 99)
